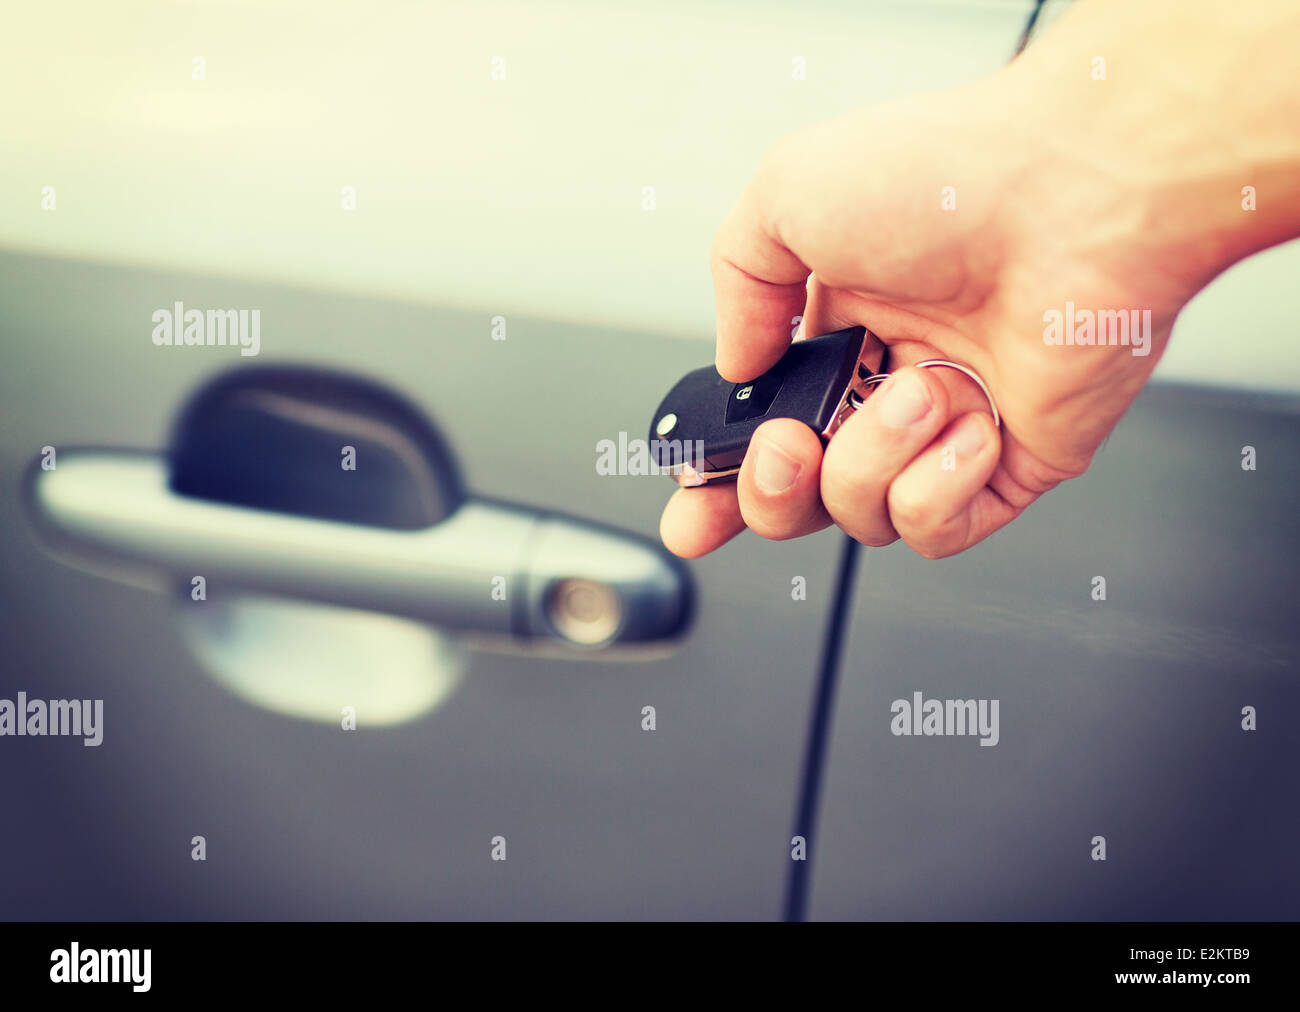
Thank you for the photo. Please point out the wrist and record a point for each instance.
(1164, 132)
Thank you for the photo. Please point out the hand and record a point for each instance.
(952, 226)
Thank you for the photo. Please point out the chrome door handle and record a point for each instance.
(486, 567)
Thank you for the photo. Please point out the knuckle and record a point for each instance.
(1042, 477)
(912, 514)
(1026, 479)
(863, 526)
(848, 481)
(765, 524)
(865, 529)
(871, 540)
(717, 256)
(932, 551)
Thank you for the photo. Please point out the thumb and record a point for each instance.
(758, 283)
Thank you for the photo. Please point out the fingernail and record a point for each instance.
(969, 437)
(775, 470)
(904, 401)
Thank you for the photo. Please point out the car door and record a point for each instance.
(496, 235)
(544, 758)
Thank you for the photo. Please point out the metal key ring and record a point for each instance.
(880, 377)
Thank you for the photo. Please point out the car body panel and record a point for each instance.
(1120, 718)
(304, 820)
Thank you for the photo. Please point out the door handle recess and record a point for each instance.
(485, 567)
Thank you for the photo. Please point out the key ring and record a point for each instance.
(857, 399)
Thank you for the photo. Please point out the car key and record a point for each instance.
(702, 429)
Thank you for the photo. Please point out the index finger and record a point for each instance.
(759, 285)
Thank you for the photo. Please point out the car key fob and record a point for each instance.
(703, 427)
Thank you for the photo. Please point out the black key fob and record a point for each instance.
(701, 430)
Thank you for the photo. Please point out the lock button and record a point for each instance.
(753, 399)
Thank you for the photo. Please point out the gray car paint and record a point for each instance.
(602, 819)
(1119, 718)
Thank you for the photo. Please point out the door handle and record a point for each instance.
(485, 567)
